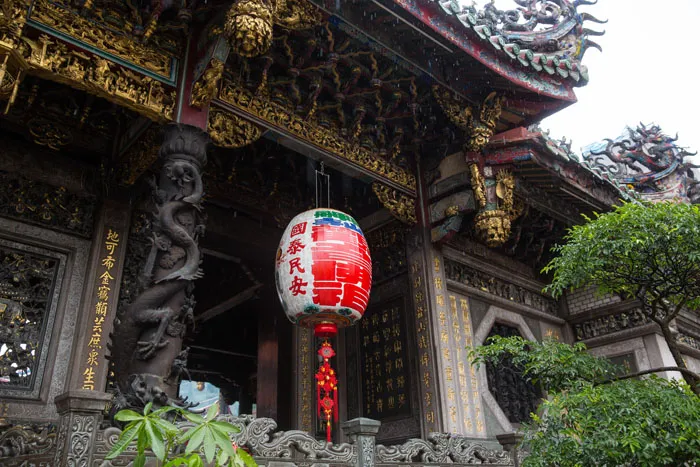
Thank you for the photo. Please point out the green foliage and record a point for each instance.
(551, 364)
(208, 437)
(647, 251)
(647, 423)
(591, 419)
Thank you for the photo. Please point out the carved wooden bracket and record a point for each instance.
(140, 155)
(207, 86)
(478, 128)
(401, 206)
(231, 131)
(494, 194)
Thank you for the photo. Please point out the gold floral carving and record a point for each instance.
(481, 130)
(493, 225)
(140, 155)
(54, 60)
(207, 86)
(248, 26)
(457, 112)
(249, 23)
(13, 16)
(297, 14)
(322, 138)
(505, 186)
(478, 130)
(67, 22)
(478, 185)
(399, 205)
(47, 133)
(231, 131)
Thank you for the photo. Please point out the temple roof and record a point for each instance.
(547, 37)
(549, 164)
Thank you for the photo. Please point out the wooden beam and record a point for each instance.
(268, 363)
(228, 304)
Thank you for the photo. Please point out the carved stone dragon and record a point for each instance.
(147, 341)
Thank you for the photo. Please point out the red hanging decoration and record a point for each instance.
(326, 378)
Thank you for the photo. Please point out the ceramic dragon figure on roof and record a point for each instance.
(650, 161)
(549, 26)
(547, 35)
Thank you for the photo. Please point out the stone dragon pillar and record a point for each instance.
(146, 349)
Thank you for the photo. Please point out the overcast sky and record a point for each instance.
(648, 71)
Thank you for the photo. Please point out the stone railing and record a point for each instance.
(273, 448)
(293, 448)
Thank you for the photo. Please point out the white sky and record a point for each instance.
(649, 70)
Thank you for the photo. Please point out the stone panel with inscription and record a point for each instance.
(384, 361)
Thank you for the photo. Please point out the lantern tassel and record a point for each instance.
(327, 380)
(335, 404)
(318, 399)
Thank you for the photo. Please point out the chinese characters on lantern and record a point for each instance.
(296, 246)
(385, 372)
(105, 283)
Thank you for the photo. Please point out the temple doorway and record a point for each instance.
(240, 352)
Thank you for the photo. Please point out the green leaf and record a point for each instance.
(140, 460)
(193, 417)
(209, 444)
(147, 409)
(177, 461)
(225, 427)
(247, 458)
(222, 441)
(142, 442)
(127, 416)
(195, 437)
(165, 426)
(212, 412)
(155, 439)
(124, 439)
(195, 461)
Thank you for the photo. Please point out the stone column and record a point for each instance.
(81, 414)
(101, 293)
(363, 433)
(147, 342)
(510, 443)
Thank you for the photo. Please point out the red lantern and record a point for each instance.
(324, 276)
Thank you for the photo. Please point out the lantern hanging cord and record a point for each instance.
(323, 179)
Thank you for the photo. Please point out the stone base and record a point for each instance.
(81, 412)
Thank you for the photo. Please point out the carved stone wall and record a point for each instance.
(46, 205)
(71, 255)
(474, 278)
(30, 280)
(602, 325)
